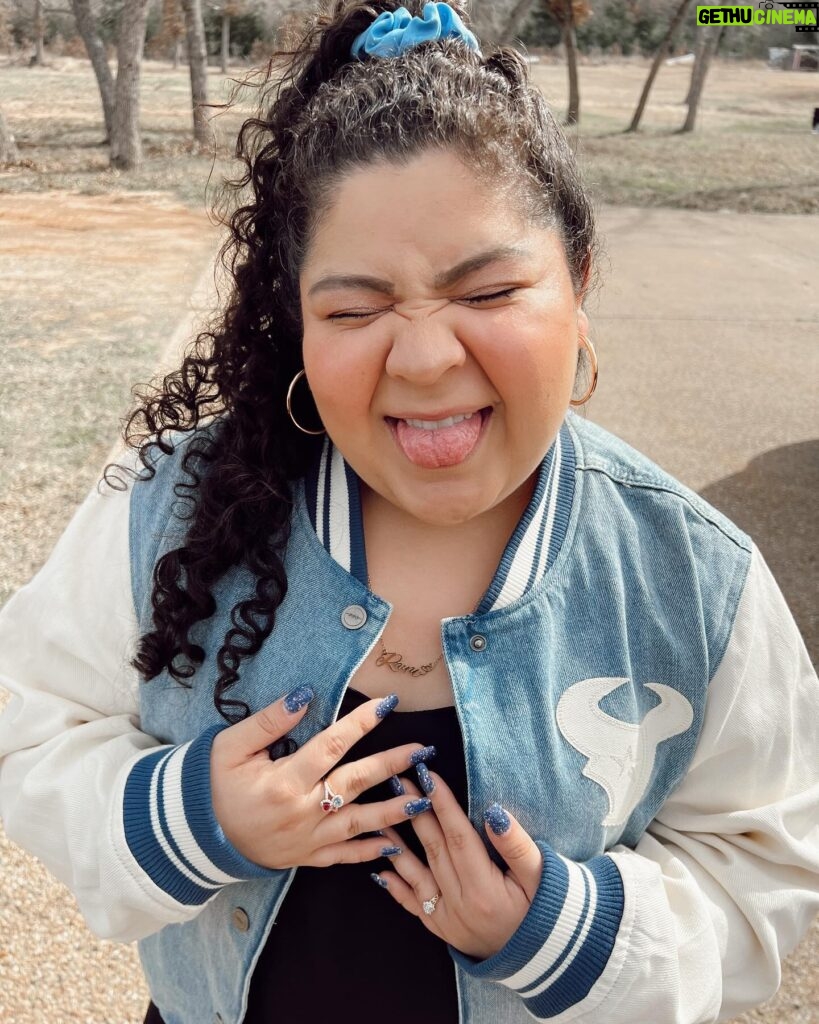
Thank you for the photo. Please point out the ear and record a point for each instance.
(582, 320)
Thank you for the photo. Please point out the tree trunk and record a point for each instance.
(570, 43)
(698, 78)
(39, 32)
(95, 48)
(516, 18)
(177, 52)
(8, 150)
(662, 50)
(225, 42)
(699, 48)
(198, 60)
(126, 142)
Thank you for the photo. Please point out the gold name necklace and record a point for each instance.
(395, 661)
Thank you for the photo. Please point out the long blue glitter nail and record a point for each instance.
(386, 706)
(424, 754)
(296, 699)
(426, 780)
(497, 819)
(417, 806)
(391, 851)
(397, 786)
(379, 880)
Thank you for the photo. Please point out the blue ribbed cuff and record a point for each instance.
(564, 943)
(170, 826)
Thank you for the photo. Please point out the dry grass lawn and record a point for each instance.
(752, 150)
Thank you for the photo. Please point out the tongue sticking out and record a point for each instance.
(433, 449)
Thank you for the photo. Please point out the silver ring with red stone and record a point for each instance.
(332, 801)
(430, 905)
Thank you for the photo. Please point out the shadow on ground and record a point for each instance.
(774, 500)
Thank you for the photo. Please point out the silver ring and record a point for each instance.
(430, 905)
(332, 801)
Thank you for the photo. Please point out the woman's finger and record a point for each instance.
(432, 838)
(357, 819)
(350, 852)
(517, 848)
(355, 777)
(405, 896)
(466, 853)
(247, 738)
(323, 751)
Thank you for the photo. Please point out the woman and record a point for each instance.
(441, 620)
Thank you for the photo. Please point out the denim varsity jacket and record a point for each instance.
(632, 687)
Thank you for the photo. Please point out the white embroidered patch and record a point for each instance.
(620, 754)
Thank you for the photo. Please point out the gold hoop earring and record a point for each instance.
(289, 409)
(593, 357)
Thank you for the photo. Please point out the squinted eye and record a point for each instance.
(488, 298)
(353, 316)
(472, 299)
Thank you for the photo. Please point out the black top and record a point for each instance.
(342, 942)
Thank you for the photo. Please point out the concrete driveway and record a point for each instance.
(707, 332)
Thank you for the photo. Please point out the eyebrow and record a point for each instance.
(442, 281)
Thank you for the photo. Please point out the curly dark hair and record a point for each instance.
(321, 113)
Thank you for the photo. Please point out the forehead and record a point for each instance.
(429, 212)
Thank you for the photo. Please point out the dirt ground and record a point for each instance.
(91, 290)
(90, 285)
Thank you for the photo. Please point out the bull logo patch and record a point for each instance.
(620, 755)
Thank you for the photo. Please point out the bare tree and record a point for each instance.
(499, 21)
(659, 56)
(225, 53)
(570, 45)
(8, 149)
(515, 21)
(700, 39)
(95, 48)
(5, 27)
(120, 96)
(126, 141)
(568, 14)
(39, 33)
(198, 62)
(171, 30)
(227, 10)
(698, 74)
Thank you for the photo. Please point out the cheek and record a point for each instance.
(342, 372)
(531, 362)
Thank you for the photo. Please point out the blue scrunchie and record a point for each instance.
(393, 32)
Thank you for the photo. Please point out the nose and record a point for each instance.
(423, 350)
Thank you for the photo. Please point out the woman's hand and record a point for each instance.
(480, 906)
(271, 810)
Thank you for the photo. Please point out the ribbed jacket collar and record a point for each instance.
(333, 495)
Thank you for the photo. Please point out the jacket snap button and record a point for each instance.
(477, 642)
(241, 922)
(353, 616)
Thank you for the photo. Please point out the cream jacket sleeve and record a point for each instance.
(70, 735)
